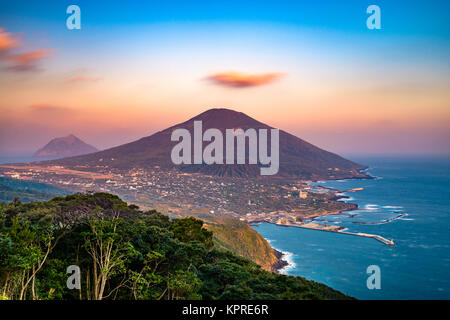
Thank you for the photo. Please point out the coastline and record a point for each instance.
(341, 194)
(284, 262)
(280, 264)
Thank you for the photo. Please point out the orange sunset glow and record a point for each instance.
(353, 93)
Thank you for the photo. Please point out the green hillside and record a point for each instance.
(239, 238)
(125, 253)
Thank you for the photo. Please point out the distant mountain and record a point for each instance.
(298, 158)
(64, 147)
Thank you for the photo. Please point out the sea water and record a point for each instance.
(416, 267)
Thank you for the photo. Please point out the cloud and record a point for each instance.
(243, 80)
(8, 41)
(48, 108)
(19, 61)
(84, 79)
(27, 61)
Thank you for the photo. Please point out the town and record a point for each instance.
(286, 202)
(174, 192)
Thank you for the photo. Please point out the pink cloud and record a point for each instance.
(19, 61)
(28, 60)
(243, 80)
(8, 41)
(44, 108)
(84, 79)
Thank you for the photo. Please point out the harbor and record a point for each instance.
(336, 229)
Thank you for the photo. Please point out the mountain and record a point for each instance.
(64, 147)
(298, 158)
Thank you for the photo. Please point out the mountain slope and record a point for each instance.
(160, 258)
(298, 158)
(64, 147)
(238, 237)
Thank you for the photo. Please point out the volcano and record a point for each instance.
(64, 147)
(298, 158)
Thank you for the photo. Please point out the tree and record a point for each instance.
(142, 281)
(183, 285)
(108, 249)
(191, 229)
(27, 242)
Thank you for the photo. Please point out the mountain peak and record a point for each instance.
(222, 118)
(62, 147)
(298, 158)
(220, 112)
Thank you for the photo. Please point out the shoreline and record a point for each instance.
(278, 266)
(341, 194)
(282, 264)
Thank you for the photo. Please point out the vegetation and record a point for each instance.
(238, 237)
(125, 253)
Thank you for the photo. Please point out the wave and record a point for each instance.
(288, 257)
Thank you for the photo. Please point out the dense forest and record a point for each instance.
(125, 253)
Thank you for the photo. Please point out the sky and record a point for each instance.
(311, 68)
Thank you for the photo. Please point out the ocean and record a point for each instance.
(17, 159)
(416, 267)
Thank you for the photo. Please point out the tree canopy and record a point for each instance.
(125, 253)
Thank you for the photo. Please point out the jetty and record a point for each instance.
(368, 235)
(335, 229)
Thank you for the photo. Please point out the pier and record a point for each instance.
(336, 229)
(368, 235)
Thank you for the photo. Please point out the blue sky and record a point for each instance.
(140, 66)
(413, 18)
